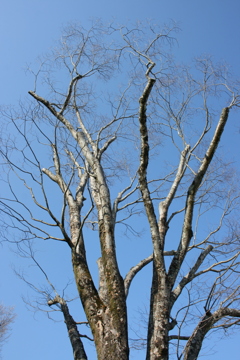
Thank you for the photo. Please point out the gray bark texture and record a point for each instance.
(73, 333)
(195, 342)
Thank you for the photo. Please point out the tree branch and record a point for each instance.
(187, 232)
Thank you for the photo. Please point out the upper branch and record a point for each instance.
(142, 171)
(77, 135)
(70, 89)
(164, 205)
(191, 274)
(135, 269)
(187, 232)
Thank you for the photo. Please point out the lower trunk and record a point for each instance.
(107, 319)
(157, 343)
(110, 338)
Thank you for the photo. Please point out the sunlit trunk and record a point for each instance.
(157, 343)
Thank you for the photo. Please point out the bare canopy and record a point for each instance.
(116, 133)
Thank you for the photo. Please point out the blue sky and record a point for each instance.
(28, 28)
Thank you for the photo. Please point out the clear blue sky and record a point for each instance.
(28, 29)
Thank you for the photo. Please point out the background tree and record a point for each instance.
(6, 319)
(123, 132)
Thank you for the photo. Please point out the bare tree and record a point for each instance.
(123, 133)
(6, 319)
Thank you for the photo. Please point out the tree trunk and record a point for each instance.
(108, 328)
(157, 343)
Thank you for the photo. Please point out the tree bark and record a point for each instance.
(73, 333)
(157, 342)
(108, 328)
(195, 342)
